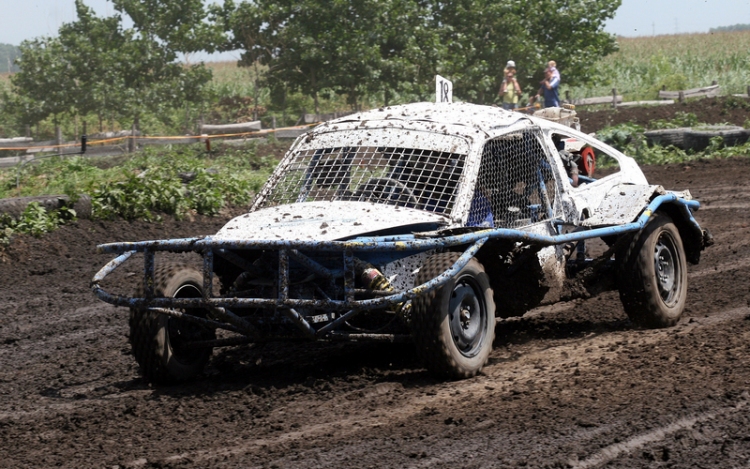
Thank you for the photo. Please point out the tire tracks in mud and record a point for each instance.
(612, 452)
(539, 364)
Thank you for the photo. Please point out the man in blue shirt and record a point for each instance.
(550, 84)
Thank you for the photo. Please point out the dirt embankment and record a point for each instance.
(735, 111)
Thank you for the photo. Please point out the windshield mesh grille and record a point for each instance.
(404, 177)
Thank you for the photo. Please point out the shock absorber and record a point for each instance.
(373, 279)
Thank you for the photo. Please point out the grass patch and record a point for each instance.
(34, 220)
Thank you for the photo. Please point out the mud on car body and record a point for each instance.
(420, 222)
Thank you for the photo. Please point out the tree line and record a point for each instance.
(727, 29)
(8, 54)
(96, 66)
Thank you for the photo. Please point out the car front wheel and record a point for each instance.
(454, 326)
(161, 343)
(653, 275)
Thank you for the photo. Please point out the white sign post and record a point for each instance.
(443, 90)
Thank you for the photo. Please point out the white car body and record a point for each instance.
(418, 222)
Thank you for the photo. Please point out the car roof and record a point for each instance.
(474, 116)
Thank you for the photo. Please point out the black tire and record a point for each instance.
(156, 338)
(700, 138)
(666, 137)
(83, 207)
(653, 275)
(453, 342)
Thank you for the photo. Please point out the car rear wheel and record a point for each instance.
(454, 326)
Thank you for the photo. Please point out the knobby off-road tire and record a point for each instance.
(653, 275)
(454, 326)
(157, 339)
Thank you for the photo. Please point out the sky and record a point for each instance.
(27, 19)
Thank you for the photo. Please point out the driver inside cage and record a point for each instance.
(480, 212)
(569, 160)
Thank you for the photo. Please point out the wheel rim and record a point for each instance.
(667, 269)
(468, 317)
(181, 333)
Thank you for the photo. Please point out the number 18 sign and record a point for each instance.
(443, 90)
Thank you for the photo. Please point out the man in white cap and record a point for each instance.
(510, 91)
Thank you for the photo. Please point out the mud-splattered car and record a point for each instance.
(421, 222)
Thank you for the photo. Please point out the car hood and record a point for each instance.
(328, 221)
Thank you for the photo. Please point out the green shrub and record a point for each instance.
(34, 220)
(620, 135)
(681, 119)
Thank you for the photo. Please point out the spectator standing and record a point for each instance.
(550, 85)
(510, 91)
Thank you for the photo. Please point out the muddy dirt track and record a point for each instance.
(570, 386)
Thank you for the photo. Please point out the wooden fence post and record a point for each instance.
(748, 91)
(58, 139)
(131, 141)
(614, 98)
(681, 96)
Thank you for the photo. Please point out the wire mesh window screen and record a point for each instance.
(405, 177)
(515, 186)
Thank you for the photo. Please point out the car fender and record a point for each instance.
(621, 204)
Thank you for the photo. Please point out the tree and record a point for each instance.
(43, 84)
(344, 46)
(93, 49)
(397, 46)
(484, 34)
(409, 52)
(153, 78)
(182, 26)
(96, 65)
(289, 38)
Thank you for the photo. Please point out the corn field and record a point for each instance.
(681, 61)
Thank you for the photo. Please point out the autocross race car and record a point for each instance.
(421, 222)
